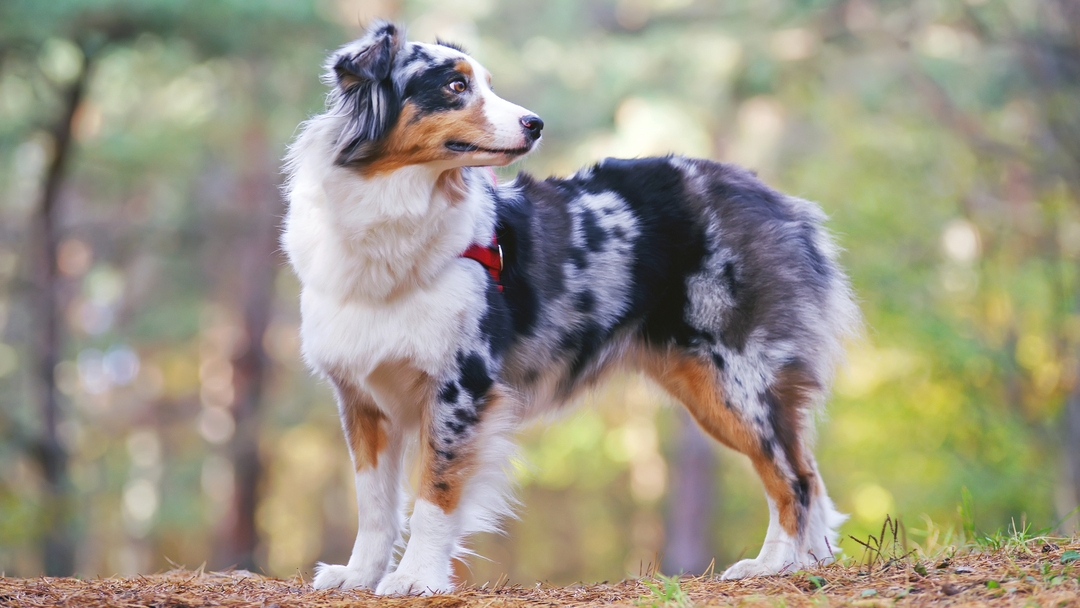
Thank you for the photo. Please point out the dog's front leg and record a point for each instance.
(376, 447)
(462, 452)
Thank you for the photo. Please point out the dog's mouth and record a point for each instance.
(460, 146)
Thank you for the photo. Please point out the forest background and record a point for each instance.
(153, 405)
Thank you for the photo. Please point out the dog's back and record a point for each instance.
(645, 254)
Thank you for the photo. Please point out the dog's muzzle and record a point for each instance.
(532, 125)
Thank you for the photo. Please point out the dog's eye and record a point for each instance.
(457, 86)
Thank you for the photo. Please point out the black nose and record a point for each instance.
(533, 125)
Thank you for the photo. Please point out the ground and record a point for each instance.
(1003, 572)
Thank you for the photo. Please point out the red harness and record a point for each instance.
(490, 256)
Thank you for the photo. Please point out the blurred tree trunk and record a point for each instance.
(693, 498)
(259, 207)
(58, 550)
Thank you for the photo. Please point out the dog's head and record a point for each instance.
(409, 103)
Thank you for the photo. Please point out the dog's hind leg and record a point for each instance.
(376, 448)
(774, 434)
(464, 443)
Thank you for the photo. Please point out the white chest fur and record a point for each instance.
(378, 259)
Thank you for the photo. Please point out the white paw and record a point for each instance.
(342, 577)
(748, 568)
(405, 583)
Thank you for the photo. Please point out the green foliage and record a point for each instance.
(665, 592)
(888, 548)
(817, 582)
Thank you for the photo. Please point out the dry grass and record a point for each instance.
(1013, 571)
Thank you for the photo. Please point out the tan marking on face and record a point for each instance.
(694, 383)
(464, 67)
(364, 423)
(416, 140)
(441, 480)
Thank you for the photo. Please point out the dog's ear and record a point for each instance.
(368, 59)
(365, 90)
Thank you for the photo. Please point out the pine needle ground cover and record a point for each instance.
(996, 571)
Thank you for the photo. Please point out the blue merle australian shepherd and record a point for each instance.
(442, 306)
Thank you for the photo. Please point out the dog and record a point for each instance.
(723, 291)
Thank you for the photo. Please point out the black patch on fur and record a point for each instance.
(585, 302)
(669, 247)
(595, 235)
(495, 325)
(718, 359)
(474, 376)
(427, 89)
(543, 214)
(466, 416)
(767, 447)
(801, 487)
(442, 486)
(449, 393)
(515, 237)
(417, 53)
(578, 258)
(465, 420)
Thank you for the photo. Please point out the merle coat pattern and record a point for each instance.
(723, 291)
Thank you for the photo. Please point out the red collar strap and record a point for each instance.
(490, 256)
